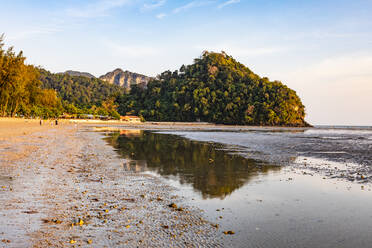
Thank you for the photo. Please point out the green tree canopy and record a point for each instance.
(218, 89)
(31, 91)
(83, 92)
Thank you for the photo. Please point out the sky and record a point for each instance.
(321, 49)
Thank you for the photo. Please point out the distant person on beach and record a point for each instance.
(41, 122)
(56, 122)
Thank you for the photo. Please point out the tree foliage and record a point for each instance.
(20, 91)
(83, 92)
(218, 89)
(30, 91)
(83, 95)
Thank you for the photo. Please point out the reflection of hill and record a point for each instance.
(126, 132)
(135, 165)
(213, 172)
(131, 133)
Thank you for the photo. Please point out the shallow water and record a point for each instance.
(238, 179)
(346, 146)
(207, 167)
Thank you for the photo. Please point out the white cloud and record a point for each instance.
(34, 32)
(96, 9)
(229, 2)
(161, 16)
(190, 5)
(153, 5)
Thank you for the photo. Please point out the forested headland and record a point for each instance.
(217, 89)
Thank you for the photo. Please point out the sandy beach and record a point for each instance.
(115, 184)
(61, 186)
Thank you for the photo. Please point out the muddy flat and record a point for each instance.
(273, 187)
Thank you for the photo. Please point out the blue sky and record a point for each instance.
(321, 49)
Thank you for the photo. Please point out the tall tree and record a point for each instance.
(20, 89)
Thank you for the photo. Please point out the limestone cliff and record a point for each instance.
(125, 78)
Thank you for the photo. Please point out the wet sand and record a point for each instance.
(62, 186)
(266, 205)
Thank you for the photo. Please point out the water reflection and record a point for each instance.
(213, 172)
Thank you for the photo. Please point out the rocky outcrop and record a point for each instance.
(125, 78)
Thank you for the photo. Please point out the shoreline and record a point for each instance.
(59, 194)
(170, 125)
(66, 186)
(16, 127)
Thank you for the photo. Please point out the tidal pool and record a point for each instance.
(264, 203)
